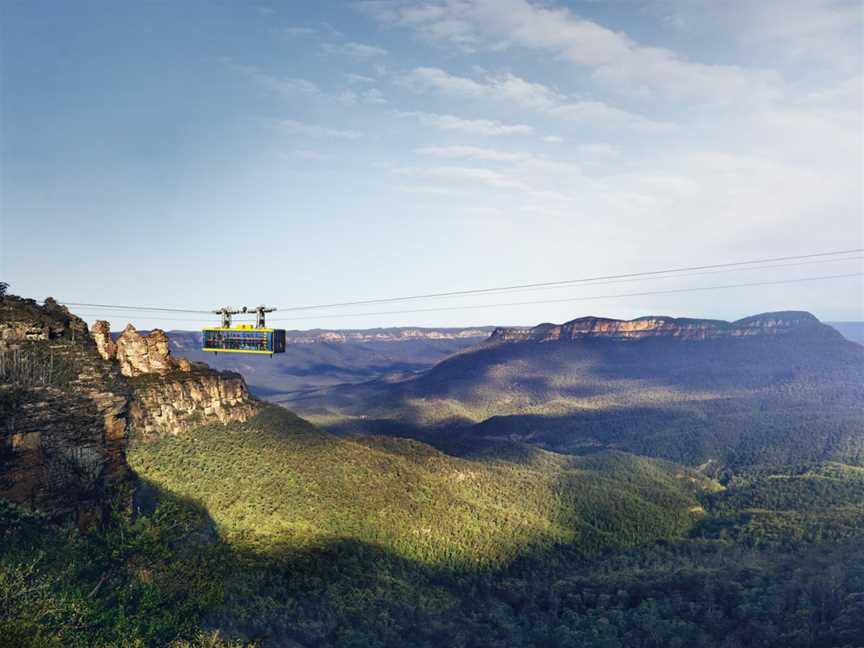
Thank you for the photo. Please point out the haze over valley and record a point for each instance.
(427, 323)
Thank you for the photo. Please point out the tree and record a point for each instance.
(3, 287)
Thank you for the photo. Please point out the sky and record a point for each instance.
(198, 154)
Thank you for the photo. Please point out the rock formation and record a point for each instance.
(187, 399)
(135, 353)
(63, 414)
(101, 332)
(71, 401)
(660, 326)
(171, 395)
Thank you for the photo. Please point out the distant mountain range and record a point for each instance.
(319, 358)
(777, 387)
(323, 358)
(212, 510)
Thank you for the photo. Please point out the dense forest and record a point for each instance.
(732, 403)
(273, 533)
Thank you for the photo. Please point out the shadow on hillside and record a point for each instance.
(345, 592)
(341, 591)
(727, 431)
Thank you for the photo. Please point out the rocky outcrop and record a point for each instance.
(171, 395)
(70, 402)
(135, 353)
(188, 399)
(23, 320)
(659, 326)
(63, 414)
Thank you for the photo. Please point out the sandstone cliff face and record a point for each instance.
(385, 335)
(70, 402)
(184, 400)
(171, 395)
(63, 414)
(659, 326)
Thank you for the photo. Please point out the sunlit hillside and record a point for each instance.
(721, 402)
(278, 483)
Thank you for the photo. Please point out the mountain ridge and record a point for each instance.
(772, 323)
(792, 394)
(388, 334)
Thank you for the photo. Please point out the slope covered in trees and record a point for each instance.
(731, 402)
(277, 481)
(273, 532)
(276, 533)
(315, 359)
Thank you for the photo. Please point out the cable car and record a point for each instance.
(243, 338)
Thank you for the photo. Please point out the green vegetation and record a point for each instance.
(733, 404)
(136, 583)
(277, 481)
(277, 533)
(311, 365)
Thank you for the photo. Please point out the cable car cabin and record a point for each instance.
(244, 338)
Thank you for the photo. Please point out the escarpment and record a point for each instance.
(171, 395)
(70, 402)
(667, 327)
(400, 334)
(63, 414)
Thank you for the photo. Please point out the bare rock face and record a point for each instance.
(660, 326)
(136, 354)
(185, 400)
(70, 402)
(63, 415)
(23, 320)
(171, 395)
(101, 333)
(400, 334)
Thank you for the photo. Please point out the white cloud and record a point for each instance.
(354, 50)
(553, 139)
(468, 175)
(487, 127)
(509, 88)
(288, 87)
(368, 96)
(423, 78)
(597, 112)
(293, 127)
(306, 155)
(599, 150)
(300, 31)
(472, 153)
(291, 88)
(798, 32)
(612, 56)
(373, 96)
(359, 79)
(436, 190)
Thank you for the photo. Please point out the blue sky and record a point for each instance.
(195, 154)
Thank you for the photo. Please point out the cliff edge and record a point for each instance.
(71, 400)
(171, 395)
(63, 414)
(658, 326)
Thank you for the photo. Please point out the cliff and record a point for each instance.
(70, 401)
(396, 334)
(171, 395)
(63, 414)
(780, 323)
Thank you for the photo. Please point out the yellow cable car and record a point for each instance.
(243, 338)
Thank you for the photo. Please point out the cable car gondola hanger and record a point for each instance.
(244, 338)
